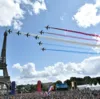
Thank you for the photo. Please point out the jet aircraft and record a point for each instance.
(18, 33)
(41, 32)
(43, 49)
(27, 34)
(9, 31)
(37, 37)
(40, 43)
(47, 27)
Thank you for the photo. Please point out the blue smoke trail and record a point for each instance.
(67, 46)
(71, 51)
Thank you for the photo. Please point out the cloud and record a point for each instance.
(12, 13)
(39, 5)
(63, 17)
(17, 24)
(17, 66)
(88, 15)
(35, 6)
(59, 71)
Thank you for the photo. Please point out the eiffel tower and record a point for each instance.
(5, 79)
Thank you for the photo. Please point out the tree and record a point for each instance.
(32, 88)
(87, 79)
(68, 82)
(94, 81)
(98, 80)
(79, 81)
(58, 82)
(19, 88)
(27, 88)
(91, 81)
(73, 79)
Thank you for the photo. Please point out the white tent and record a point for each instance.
(92, 87)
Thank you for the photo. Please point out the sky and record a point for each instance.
(26, 62)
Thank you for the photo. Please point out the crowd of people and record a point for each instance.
(69, 94)
(75, 94)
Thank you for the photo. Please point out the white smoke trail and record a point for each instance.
(63, 40)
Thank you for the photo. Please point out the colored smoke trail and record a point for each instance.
(58, 45)
(69, 41)
(63, 40)
(70, 36)
(88, 34)
(71, 51)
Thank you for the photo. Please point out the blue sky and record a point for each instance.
(26, 62)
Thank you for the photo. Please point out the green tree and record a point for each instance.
(91, 81)
(94, 81)
(79, 81)
(73, 79)
(68, 82)
(27, 88)
(19, 88)
(98, 80)
(32, 88)
(58, 82)
(87, 79)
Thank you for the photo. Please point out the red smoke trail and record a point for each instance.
(88, 34)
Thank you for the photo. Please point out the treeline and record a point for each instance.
(83, 81)
(79, 81)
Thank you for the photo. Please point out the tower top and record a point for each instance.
(3, 51)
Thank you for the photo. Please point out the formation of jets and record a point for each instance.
(36, 37)
(40, 43)
(41, 32)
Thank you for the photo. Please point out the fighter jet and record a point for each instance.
(18, 33)
(9, 31)
(27, 34)
(40, 43)
(43, 49)
(41, 32)
(47, 27)
(36, 37)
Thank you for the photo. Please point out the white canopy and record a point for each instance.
(92, 87)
